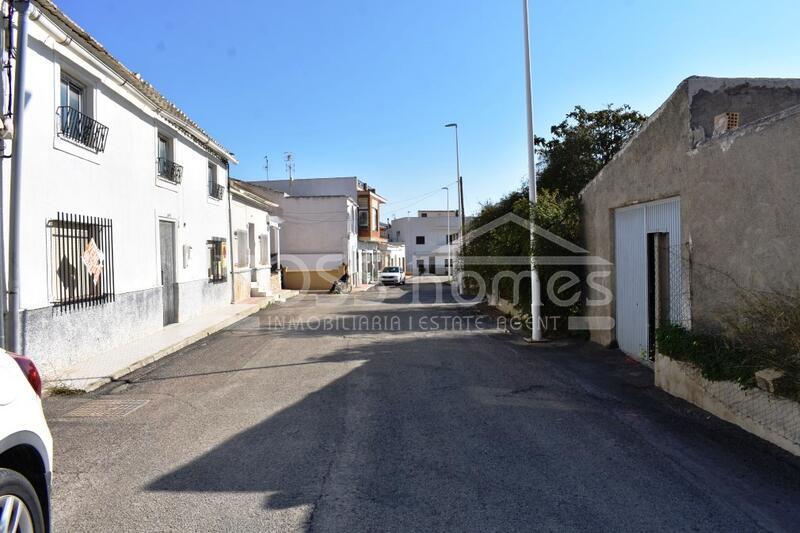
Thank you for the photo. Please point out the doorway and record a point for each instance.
(432, 264)
(658, 289)
(169, 289)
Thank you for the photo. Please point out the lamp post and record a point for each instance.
(536, 328)
(460, 189)
(449, 240)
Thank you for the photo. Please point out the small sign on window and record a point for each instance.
(93, 259)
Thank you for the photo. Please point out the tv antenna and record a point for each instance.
(266, 166)
(288, 157)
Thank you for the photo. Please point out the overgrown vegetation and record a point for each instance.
(580, 146)
(764, 332)
(717, 358)
(63, 390)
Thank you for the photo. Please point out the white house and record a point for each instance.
(124, 219)
(255, 234)
(426, 240)
(312, 239)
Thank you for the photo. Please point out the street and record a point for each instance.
(390, 410)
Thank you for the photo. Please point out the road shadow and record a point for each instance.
(435, 434)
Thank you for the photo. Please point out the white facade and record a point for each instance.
(255, 248)
(425, 238)
(120, 183)
(319, 233)
(363, 255)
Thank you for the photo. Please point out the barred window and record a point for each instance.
(217, 251)
(81, 260)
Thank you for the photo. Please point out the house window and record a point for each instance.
(398, 235)
(167, 168)
(374, 219)
(363, 218)
(214, 189)
(217, 251)
(81, 260)
(420, 239)
(242, 251)
(74, 120)
(72, 94)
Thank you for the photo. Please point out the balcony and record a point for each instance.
(216, 190)
(169, 170)
(82, 129)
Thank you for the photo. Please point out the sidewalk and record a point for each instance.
(105, 367)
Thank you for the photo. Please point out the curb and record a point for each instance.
(92, 384)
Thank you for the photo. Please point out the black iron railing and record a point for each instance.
(82, 259)
(216, 190)
(81, 128)
(169, 170)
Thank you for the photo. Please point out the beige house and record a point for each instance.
(701, 203)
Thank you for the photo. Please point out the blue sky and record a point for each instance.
(363, 87)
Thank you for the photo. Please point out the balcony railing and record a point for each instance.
(169, 170)
(216, 190)
(81, 128)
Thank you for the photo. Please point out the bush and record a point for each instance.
(717, 359)
(554, 213)
(767, 325)
(763, 333)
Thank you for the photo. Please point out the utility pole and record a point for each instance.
(449, 240)
(460, 192)
(536, 327)
(15, 197)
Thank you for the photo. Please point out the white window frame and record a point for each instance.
(62, 68)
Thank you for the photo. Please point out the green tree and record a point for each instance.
(582, 144)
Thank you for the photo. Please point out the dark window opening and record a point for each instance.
(420, 239)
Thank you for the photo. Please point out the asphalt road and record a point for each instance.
(385, 411)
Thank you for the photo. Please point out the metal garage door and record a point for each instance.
(631, 226)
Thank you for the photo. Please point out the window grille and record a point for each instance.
(82, 260)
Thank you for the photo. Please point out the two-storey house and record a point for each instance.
(331, 224)
(124, 217)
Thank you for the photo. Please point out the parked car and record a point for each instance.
(26, 448)
(393, 275)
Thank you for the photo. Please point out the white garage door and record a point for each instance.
(631, 226)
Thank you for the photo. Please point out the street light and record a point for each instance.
(449, 240)
(536, 329)
(460, 188)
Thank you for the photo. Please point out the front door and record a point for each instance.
(432, 264)
(169, 289)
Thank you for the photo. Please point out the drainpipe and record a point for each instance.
(230, 231)
(5, 56)
(15, 198)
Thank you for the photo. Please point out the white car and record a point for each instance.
(393, 275)
(26, 448)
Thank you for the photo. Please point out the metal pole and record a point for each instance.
(15, 197)
(460, 191)
(5, 57)
(536, 328)
(449, 240)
